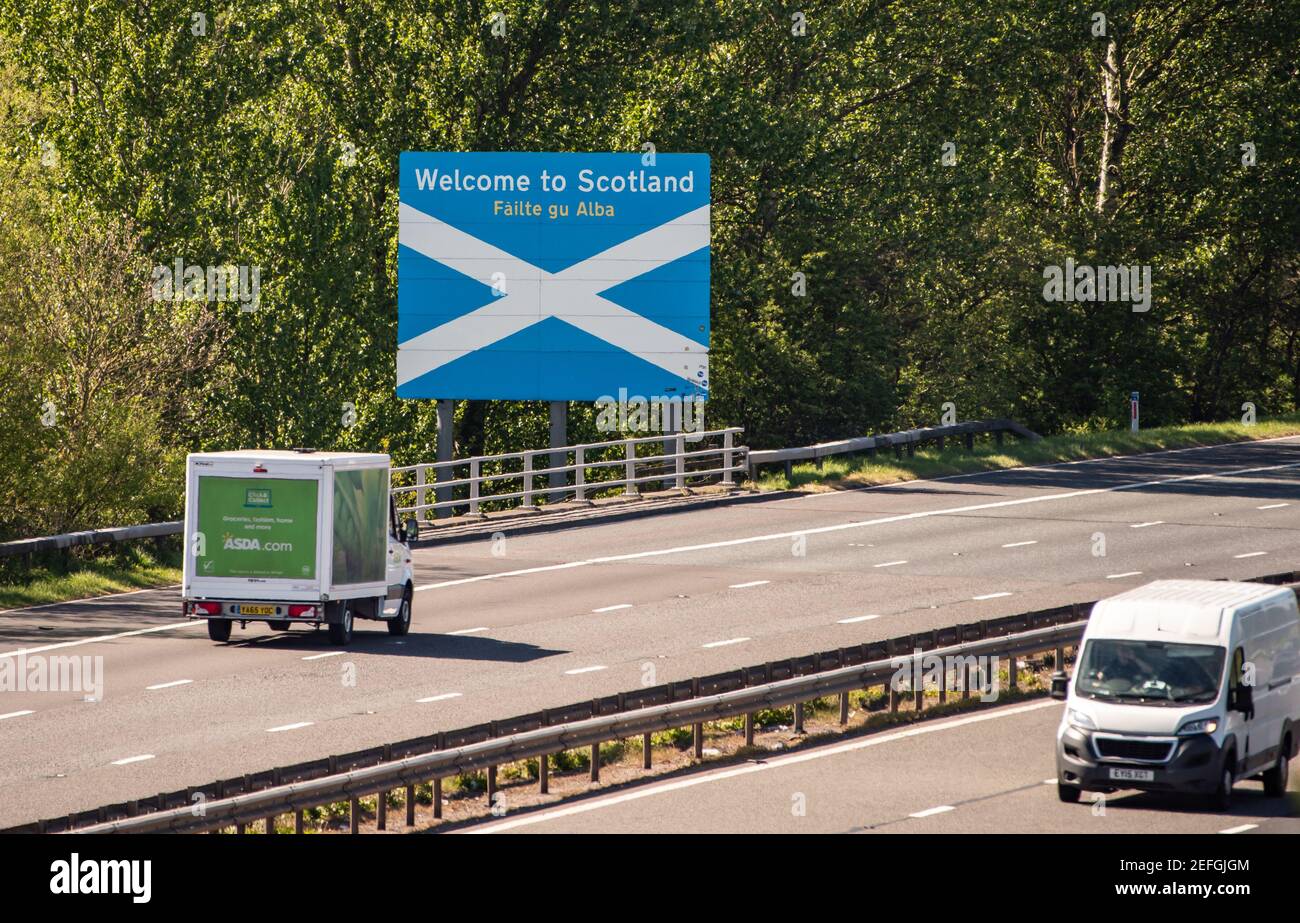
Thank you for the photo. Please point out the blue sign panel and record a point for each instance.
(558, 277)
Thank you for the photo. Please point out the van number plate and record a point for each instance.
(1132, 775)
(257, 610)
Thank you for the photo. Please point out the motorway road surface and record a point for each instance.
(970, 774)
(547, 619)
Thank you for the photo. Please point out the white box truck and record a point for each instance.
(294, 538)
(1183, 686)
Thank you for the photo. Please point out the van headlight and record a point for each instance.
(1081, 720)
(1199, 726)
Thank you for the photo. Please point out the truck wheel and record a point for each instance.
(400, 624)
(1275, 779)
(341, 632)
(219, 629)
(280, 625)
(1221, 800)
(1068, 793)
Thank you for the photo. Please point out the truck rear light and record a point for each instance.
(301, 611)
(208, 608)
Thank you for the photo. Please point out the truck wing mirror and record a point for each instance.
(1060, 685)
(410, 530)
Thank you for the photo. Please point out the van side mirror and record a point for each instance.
(410, 530)
(1060, 685)
(1242, 698)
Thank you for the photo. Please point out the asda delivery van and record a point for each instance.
(294, 538)
(1183, 686)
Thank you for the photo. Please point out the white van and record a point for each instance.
(1183, 686)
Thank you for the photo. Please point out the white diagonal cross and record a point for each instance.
(571, 294)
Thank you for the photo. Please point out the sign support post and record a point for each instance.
(559, 437)
(446, 444)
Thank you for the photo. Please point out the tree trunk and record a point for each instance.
(1116, 128)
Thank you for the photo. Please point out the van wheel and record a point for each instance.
(1068, 793)
(219, 629)
(341, 632)
(1275, 779)
(400, 624)
(1221, 800)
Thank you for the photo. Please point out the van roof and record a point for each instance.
(291, 454)
(1189, 611)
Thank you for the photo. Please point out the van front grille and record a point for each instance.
(1121, 748)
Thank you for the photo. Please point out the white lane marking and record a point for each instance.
(467, 631)
(889, 564)
(326, 654)
(930, 812)
(584, 670)
(1272, 506)
(725, 643)
(1020, 544)
(98, 638)
(17, 714)
(990, 596)
(91, 599)
(857, 618)
(1250, 554)
(742, 586)
(818, 530)
(1242, 829)
(1143, 525)
(440, 698)
(290, 727)
(614, 607)
(1052, 781)
(178, 682)
(1127, 573)
(133, 759)
(769, 764)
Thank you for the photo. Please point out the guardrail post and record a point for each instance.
(544, 774)
(528, 479)
(680, 448)
(239, 829)
(697, 735)
(473, 486)
(911, 449)
(970, 442)
(1011, 672)
(354, 815)
(844, 708)
(893, 698)
(579, 474)
(998, 435)
(410, 805)
(898, 450)
(270, 824)
(437, 799)
(629, 469)
(297, 821)
(1060, 658)
(646, 751)
(595, 762)
(940, 440)
(491, 784)
(749, 729)
(381, 810)
(727, 480)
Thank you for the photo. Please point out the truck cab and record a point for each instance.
(1183, 686)
(295, 537)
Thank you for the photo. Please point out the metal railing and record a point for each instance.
(775, 684)
(906, 440)
(674, 468)
(89, 537)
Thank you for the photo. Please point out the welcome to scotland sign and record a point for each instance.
(552, 276)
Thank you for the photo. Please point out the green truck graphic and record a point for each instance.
(257, 527)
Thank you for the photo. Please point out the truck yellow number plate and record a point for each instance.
(257, 610)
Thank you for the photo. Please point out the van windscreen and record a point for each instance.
(1150, 672)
